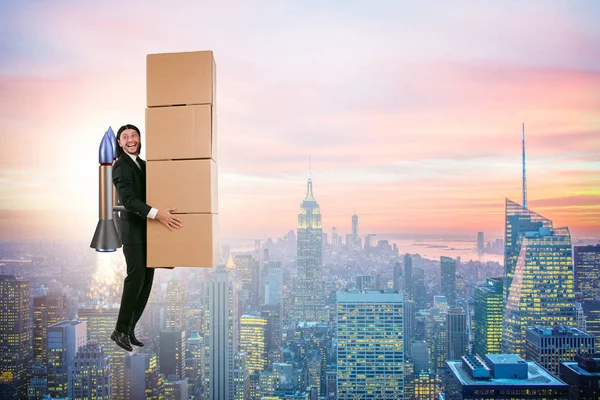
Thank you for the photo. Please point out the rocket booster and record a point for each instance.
(115, 198)
(106, 238)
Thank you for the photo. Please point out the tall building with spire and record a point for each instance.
(519, 219)
(309, 301)
(221, 335)
(538, 264)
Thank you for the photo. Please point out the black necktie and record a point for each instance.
(141, 163)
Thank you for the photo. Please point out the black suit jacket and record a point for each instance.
(130, 182)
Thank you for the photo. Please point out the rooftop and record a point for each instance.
(504, 358)
(557, 330)
(370, 295)
(579, 370)
(65, 323)
(585, 364)
(536, 375)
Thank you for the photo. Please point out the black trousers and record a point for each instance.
(136, 288)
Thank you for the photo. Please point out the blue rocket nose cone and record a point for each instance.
(113, 141)
(106, 150)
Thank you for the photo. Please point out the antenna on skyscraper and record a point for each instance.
(524, 175)
(309, 168)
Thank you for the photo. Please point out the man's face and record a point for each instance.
(130, 142)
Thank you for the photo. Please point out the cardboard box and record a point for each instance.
(175, 133)
(180, 78)
(195, 244)
(189, 185)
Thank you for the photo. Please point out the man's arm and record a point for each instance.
(124, 184)
(123, 181)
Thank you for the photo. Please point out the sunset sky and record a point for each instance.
(411, 113)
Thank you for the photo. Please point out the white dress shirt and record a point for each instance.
(153, 211)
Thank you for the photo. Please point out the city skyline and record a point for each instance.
(411, 113)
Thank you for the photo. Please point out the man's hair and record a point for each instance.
(121, 129)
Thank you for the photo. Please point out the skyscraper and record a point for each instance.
(176, 390)
(587, 271)
(253, 342)
(480, 243)
(425, 386)
(90, 375)
(370, 352)
(408, 277)
(448, 275)
(241, 378)
(247, 270)
(336, 240)
(309, 301)
(49, 307)
(419, 353)
(355, 226)
(221, 339)
(456, 334)
(176, 304)
(409, 321)
(273, 334)
(488, 317)
(171, 356)
(365, 282)
(501, 376)
(196, 347)
(272, 283)
(354, 244)
(438, 343)
(541, 291)
(551, 345)
(398, 279)
(64, 340)
(419, 290)
(100, 323)
(518, 220)
(141, 376)
(15, 336)
(583, 377)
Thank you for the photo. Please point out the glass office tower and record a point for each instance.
(488, 317)
(370, 352)
(541, 291)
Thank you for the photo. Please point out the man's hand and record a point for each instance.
(167, 219)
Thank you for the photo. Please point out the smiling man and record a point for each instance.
(129, 177)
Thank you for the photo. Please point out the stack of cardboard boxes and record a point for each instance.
(181, 171)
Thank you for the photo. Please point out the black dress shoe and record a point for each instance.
(134, 341)
(122, 340)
